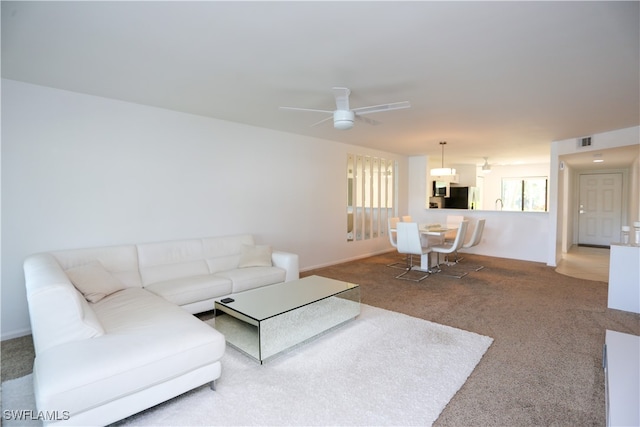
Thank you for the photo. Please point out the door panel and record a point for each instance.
(600, 209)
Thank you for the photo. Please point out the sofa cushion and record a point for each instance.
(253, 277)
(255, 256)
(223, 253)
(94, 281)
(171, 260)
(188, 290)
(149, 340)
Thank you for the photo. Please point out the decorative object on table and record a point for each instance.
(624, 234)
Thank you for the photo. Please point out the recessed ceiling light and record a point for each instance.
(598, 161)
(598, 158)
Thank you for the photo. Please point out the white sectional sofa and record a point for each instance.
(113, 329)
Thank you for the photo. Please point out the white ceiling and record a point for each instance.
(494, 79)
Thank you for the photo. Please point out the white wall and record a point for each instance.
(634, 191)
(83, 171)
(419, 189)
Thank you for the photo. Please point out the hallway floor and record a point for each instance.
(585, 263)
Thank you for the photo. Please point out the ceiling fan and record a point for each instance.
(343, 117)
(486, 168)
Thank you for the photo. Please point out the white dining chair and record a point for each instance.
(450, 248)
(392, 225)
(409, 243)
(476, 237)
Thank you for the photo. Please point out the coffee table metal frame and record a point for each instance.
(265, 321)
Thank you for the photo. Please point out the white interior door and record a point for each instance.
(600, 209)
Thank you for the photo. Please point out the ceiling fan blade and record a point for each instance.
(367, 120)
(322, 121)
(383, 107)
(306, 109)
(342, 97)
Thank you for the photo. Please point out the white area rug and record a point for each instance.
(383, 368)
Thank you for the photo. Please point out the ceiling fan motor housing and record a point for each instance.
(343, 119)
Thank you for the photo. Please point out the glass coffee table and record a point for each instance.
(265, 321)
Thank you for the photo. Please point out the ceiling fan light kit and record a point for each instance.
(343, 117)
(343, 120)
(486, 168)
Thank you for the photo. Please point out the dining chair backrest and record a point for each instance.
(392, 230)
(477, 234)
(407, 218)
(462, 231)
(409, 238)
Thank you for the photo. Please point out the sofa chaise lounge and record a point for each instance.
(113, 327)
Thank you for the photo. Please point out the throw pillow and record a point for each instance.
(94, 281)
(255, 256)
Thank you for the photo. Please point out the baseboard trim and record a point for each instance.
(15, 334)
(341, 261)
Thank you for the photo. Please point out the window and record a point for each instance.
(370, 196)
(525, 194)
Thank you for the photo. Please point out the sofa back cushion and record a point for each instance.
(120, 261)
(171, 260)
(94, 281)
(57, 310)
(223, 253)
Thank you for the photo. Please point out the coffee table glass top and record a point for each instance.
(263, 303)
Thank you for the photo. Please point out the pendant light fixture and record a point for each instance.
(442, 171)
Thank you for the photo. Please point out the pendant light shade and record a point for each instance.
(442, 171)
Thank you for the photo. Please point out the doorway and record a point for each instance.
(600, 209)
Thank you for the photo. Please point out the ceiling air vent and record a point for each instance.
(584, 142)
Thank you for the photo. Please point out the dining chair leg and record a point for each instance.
(457, 275)
(449, 271)
(399, 264)
(408, 269)
(419, 279)
(464, 266)
(470, 267)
